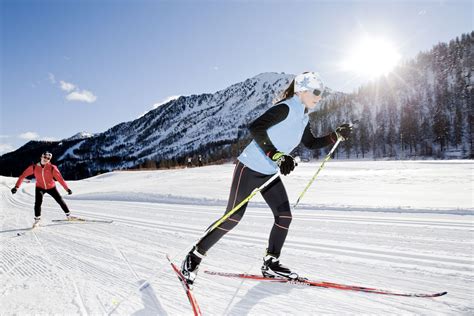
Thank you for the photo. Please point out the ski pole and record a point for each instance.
(238, 206)
(339, 139)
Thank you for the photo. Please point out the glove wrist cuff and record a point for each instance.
(277, 155)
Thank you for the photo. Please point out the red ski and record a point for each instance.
(330, 285)
(189, 292)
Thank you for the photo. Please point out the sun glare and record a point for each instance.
(371, 57)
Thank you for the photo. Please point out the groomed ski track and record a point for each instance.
(95, 268)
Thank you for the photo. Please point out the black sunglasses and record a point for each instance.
(317, 92)
(46, 157)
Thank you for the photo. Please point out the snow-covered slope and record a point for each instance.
(184, 125)
(80, 135)
(404, 226)
(421, 109)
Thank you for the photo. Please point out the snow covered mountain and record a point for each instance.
(207, 124)
(189, 124)
(423, 109)
(80, 135)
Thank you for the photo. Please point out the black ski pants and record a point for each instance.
(245, 180)
(39, 193)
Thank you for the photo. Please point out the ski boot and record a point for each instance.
(190, 265)
(71, 218)
(37, 222)
(272, 268)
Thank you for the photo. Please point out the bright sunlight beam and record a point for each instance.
(372, 57)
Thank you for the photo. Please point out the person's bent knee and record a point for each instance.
(283, 220)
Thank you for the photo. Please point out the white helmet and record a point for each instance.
(309, 81)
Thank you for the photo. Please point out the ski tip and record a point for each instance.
(430, 295)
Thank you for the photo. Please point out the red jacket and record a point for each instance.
(45, 176)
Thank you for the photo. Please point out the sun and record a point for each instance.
(371, 57)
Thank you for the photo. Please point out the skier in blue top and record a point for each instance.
(275, 134)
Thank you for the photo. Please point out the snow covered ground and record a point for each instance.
(404, 226)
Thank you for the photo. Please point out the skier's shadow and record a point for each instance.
(255, 294)
(19, 230)
(151, 304)
(15, 230)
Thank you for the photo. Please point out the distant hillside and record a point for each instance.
(421, 110)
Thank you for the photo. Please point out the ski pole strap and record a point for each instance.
(238, 206)
(339, 139)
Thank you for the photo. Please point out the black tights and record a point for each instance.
(244, 182)
(56, 196)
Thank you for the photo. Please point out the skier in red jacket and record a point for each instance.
(45, 173)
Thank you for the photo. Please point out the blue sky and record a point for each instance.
(71, 66)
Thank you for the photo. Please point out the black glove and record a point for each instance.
(285, 162)
(69, 191)
(344, 131)
(14, 190)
